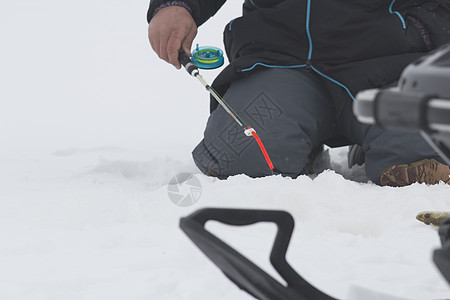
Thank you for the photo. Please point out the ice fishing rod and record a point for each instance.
(209, 57)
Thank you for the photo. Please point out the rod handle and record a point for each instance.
(187, 63)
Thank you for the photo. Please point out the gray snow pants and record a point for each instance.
(293, 113)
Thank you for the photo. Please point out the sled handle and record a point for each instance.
(241, 217)
(194, 227)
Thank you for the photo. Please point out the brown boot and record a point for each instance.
(427, 171)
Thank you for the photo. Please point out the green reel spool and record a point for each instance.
(207, 57)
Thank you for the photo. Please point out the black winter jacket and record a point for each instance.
(352, 44)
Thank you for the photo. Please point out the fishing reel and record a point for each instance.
(420, 103)
(207, 57)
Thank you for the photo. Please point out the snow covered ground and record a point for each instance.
(93, 128)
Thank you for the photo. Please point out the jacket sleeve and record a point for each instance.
(201, 10)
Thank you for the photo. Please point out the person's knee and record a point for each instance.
(211, 160)
(290, 121)
(216, 159)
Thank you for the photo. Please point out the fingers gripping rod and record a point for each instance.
(192, 69)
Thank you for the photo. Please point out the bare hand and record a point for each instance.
(172, 29)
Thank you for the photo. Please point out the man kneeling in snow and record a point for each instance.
(295, 66)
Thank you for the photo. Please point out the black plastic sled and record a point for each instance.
(252, 279)
(242, 271)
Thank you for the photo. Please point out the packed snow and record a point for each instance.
(95, 126)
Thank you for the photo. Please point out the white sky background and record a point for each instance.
(82, 74)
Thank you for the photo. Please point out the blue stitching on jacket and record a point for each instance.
(334, 81)
(229, 25)
(272, 66)
(253, 3)
(302, 66)
(397, 13)
(308, 33)
(308, 14)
